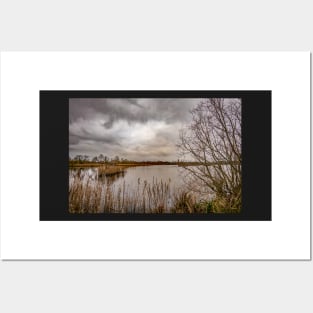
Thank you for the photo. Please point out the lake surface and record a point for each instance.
(130, 177)
(151, 174)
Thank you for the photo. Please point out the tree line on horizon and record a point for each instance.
(103, 159)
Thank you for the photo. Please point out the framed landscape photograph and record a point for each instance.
(155, 156)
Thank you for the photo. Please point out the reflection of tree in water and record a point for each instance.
(83, 173)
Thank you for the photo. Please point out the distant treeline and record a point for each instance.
(85, 160)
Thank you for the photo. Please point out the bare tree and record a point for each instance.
(101, 158)
(213, 140)
(79, 158)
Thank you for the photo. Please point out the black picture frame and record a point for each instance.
(256, 155)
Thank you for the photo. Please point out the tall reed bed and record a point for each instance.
(90, 195)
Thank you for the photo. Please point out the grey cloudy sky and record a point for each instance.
(136, 129)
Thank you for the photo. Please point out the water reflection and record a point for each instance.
(130, 176)
(94, 175)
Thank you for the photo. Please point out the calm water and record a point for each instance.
(137, 175)
(151, 174)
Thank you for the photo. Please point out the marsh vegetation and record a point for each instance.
(138, 189)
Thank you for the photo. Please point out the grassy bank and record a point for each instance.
(84, 165)
(122, 165)
(104, 170)
(110, 170)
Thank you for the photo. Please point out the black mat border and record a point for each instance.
(256, 152)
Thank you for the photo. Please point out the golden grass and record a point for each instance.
(109, 170)
(83, 165)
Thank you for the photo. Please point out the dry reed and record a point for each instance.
(87, 195)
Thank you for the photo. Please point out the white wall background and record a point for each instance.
(37, 286)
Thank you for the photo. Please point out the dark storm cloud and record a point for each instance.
(73, 140)
(131, 128)
(139, 110)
